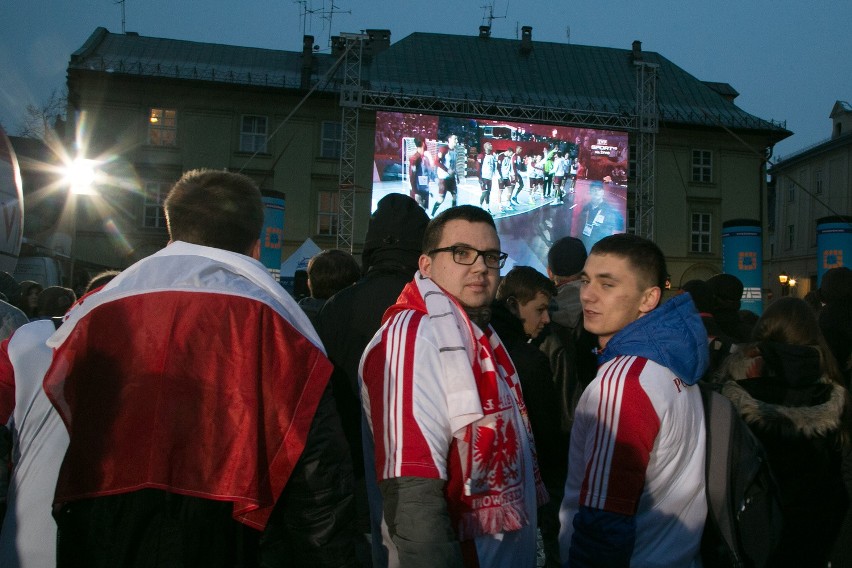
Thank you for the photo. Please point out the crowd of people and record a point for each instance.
(417, 410)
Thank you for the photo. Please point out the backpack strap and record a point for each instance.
(719, 415)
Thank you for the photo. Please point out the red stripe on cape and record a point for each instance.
(154, 400)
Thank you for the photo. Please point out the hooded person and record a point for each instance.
(635, 491)
(350, 318)
(789, 391)
(727, 291)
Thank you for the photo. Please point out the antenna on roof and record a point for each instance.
(329, 15)
(304, 11)
(488, 13)
(122, 13)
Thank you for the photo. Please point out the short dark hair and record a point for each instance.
(524, 283)
(54, 301)
(100, 280)
(215, 208)
(435, 228)
(644, 257)
(330, 271)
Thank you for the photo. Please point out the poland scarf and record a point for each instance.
(485, 488)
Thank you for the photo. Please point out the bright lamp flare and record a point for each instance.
(81, 175)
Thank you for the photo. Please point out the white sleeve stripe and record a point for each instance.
(394, 390)
(612, 385)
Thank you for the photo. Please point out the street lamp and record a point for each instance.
(786, 283)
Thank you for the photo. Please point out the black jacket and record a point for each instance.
(799, 416)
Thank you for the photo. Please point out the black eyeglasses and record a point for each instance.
(468, 255)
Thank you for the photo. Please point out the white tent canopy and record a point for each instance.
(297, 261)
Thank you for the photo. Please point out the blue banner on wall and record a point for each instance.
(742, 257)
(834, 244)
(272, 234)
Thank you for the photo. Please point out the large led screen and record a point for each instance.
(540, 182)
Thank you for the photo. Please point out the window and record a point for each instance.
(162, 127)
(818, 181)
(253, 134)
(791, 236)
(699, 236)
(332, 137)
(702, 166)
(328, 209)
(791, 190)
(155, 194)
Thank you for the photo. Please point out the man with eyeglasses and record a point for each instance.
(454, 456)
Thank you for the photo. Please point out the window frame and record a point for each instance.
(157, 205)
(701, 239)
(701, 165)
(331, 147)
(162, 132)
(254, 135)
(328, 213)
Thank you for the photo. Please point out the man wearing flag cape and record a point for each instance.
(454, 454)
(195, 393)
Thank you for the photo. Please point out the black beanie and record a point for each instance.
(399, 222)
(566, 257)
(726, 287)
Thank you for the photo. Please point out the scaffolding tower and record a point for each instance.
(647, 126)
(350, 104)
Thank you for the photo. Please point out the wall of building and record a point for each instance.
(734, 192)
(814, 184)
(114, 111)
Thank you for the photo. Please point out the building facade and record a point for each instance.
(154, 108)
(807, 186)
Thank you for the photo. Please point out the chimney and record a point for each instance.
(637, 50)
(377, 41)
(307, 61)
(338, 45)
(484, 32)
(526, 39)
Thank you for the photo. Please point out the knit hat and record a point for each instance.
(566, 257)
(399, 222)
(702, 297)
(836, 285)
(727, 288)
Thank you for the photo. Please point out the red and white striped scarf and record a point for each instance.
(485, 487)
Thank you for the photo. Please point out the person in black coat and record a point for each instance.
(350, 318)
(787, 388)
(518, 315)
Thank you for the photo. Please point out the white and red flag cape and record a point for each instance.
(194, 372)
